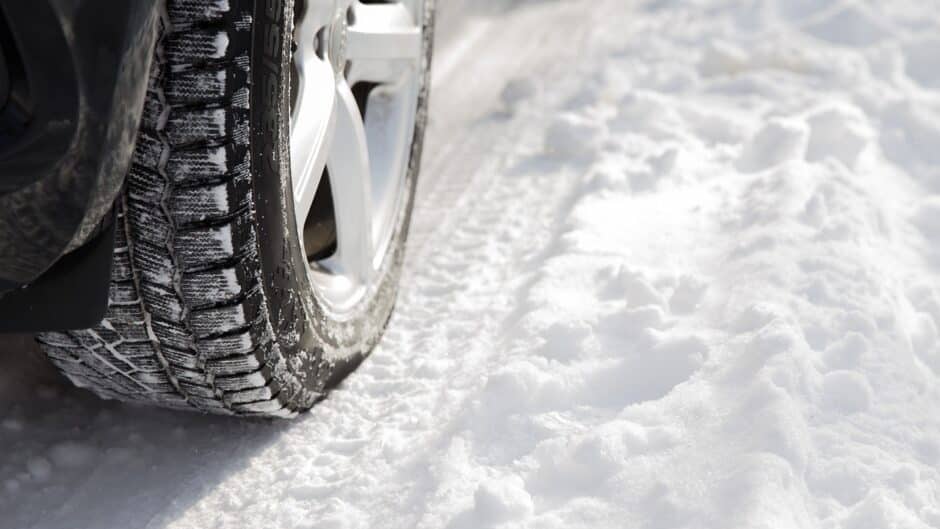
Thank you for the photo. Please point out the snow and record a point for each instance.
(674, 265)
(777, 141)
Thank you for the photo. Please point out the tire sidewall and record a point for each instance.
(304, 330)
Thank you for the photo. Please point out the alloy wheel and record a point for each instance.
(354, 95)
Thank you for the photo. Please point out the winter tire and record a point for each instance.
(261, 231)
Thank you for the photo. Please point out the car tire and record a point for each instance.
(210, 306)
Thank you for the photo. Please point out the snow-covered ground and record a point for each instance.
(676, 264)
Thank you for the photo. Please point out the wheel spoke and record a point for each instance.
(351, 182)
(339, 43)
(385, 32)
(312, 127)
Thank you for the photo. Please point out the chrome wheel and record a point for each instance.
(357, 74)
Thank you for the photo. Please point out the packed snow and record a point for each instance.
(675, 264)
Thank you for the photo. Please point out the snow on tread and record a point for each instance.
(185, 303)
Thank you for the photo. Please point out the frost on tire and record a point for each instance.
(189, 324)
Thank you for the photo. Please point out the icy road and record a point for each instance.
(676, 264)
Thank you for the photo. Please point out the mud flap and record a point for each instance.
(73, 294)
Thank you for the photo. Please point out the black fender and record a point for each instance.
(73, 77)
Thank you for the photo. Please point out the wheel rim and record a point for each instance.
(354, 96)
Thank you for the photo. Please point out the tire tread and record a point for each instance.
(187, 323)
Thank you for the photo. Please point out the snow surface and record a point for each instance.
(675, 264)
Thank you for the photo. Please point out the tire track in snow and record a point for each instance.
(483, 221)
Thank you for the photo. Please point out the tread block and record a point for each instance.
(211, 85)
(179, 358)
(125, 311)
(150, 224)
(172, 335)
(120, 268)
(222, 319)
(152, 379)
(153, 110)
(233, 365)
(267, 407)
(249, 395)
(149, 149)
(197, 389)
(198, 86)
(235, 344)
(147, 365)
(207, 162)
(140, 352)
(145, 186)
(213, 243)
(122, 292)
(196, 11)
(185, 127)
(130, 330)
(153, 264)
(252, 380)
(196, 47)
(210, 321)
(162, 302)
(210, 404)
(217, 285)
(190, 375)
(206, 203)
(216, 243)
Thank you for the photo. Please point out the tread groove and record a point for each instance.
(155, 341)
